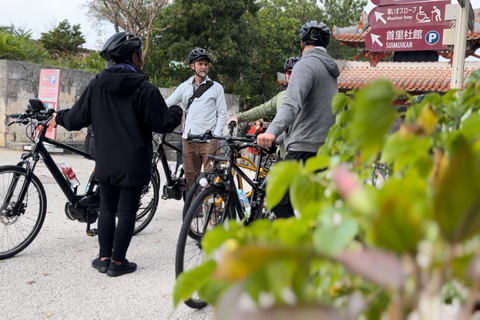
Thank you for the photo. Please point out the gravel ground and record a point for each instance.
(53, 277)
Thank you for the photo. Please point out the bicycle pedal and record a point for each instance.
(92, 232)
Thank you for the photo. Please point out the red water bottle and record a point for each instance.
(69, 175)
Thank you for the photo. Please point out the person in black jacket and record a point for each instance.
(123, 109)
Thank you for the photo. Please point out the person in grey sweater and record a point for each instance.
(306, 111)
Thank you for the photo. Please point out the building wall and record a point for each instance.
(19, 83)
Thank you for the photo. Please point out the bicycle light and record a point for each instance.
(203, 182)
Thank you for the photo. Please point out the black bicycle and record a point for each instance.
(219, 201)
(174, 187)
(23, 201)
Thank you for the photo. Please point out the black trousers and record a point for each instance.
(122, 203)
(284, 209)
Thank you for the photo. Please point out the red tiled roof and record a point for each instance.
(415, 77)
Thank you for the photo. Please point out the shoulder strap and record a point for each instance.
(198, 93)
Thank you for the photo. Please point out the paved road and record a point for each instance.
(53, 277)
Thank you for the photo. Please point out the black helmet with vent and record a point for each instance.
(290, 62)
(121, 46)
(315, 33)
(198, 54)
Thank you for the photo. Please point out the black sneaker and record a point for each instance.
(101, 265)
(115, 270)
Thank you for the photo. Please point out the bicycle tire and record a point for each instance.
(148, 203)
(27, 225)
(186, 243)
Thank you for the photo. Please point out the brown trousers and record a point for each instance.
(194, 155)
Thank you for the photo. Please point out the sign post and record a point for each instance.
(458, 64)
(48, 92)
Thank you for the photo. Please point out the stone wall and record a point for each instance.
(19, 83)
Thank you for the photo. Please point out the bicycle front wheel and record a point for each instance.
(148, 203)
(19, 229)
(202, 215)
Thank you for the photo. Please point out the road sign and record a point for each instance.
(390, 2)
(418, 38)
(412, 15)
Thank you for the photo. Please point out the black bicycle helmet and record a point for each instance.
(121, 46)
(290, 62)
(198, 54)
(315, 33)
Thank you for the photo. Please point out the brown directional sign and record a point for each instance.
(405, 38)
(390, 2)
(409, 15)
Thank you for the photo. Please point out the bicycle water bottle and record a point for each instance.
(179, 171)
(69, 175)
(244, 200)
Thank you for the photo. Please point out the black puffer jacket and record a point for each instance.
(124, 108)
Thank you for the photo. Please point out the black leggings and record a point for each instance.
(120, 202)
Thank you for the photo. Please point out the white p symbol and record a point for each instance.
(432, 37)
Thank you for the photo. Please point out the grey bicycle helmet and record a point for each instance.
(315, 33)
(198, 54)
(290, 62)
(121, 46)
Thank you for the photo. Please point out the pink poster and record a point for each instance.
(48, 92)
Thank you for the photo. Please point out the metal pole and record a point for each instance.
(458, 65)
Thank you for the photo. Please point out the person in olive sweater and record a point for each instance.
(268, 110)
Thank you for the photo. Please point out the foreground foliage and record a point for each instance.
(404, 246)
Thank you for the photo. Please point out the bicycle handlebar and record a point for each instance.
(42, 115)
(249, 141)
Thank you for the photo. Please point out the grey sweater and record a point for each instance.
(306, 112)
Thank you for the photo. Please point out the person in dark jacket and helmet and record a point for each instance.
(306, 111)
(123, 108)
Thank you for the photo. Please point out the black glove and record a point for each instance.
(176, 110)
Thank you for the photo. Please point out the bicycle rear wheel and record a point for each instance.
(189, 246)
(19, 229)
(148, 203)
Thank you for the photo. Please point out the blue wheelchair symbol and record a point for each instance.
(432, 37)
(53, 78)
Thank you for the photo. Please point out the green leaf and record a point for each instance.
(457, 201)
(471, 126)
(373, 114)
(474, 77)
(316, 163)
(329, 239)
(402, 205)
(248, 259)
(406, 151)
(280, 177)
(215, 237)
(192, 280)
(333, 136)
(303, 191)
(340, 101)
(460, 265)
(397, 228)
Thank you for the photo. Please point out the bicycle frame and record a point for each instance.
(163, 157)
(226, 176)
(38, 149)
(175, 186)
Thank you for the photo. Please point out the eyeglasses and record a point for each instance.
(288, 72)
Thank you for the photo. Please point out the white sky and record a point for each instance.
(41, 16)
